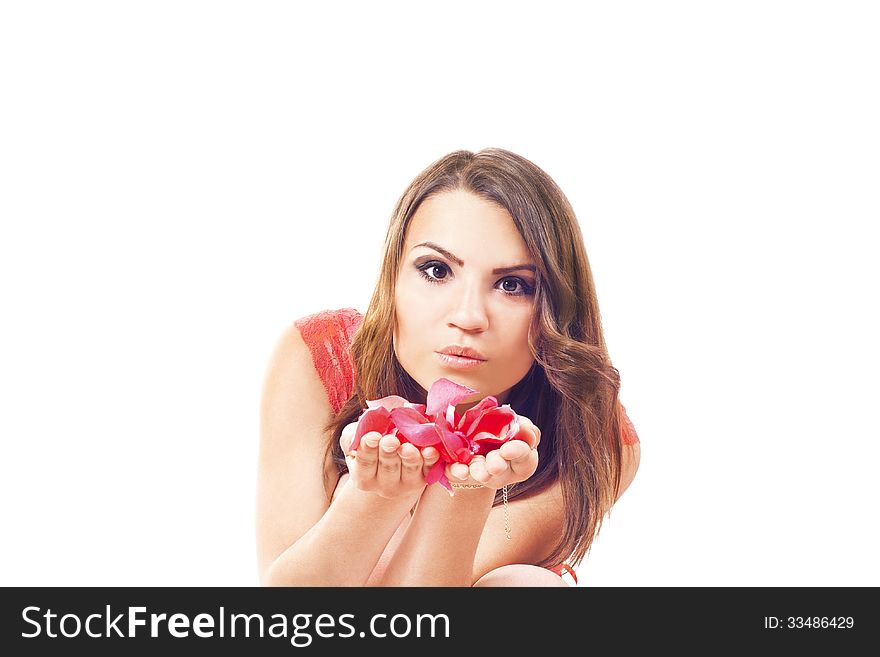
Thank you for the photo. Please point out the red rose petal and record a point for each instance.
(473, 414)
(486, 437)
(374, 419)
(450, 442)
(463, 455)
(483, 428)
(493, 420)
(486, 442)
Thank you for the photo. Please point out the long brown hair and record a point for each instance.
(571, 391)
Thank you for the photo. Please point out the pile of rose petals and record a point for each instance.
(458, 438)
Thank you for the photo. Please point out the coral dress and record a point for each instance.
(328, 335)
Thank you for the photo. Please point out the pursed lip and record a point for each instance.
(466, 352)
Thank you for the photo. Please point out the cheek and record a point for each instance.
(518, 344)
(417, 307)
(403, 308)
(409, 322)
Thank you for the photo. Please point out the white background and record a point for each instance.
(181, 180)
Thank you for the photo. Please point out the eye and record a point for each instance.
(430, 267)
(519, 287)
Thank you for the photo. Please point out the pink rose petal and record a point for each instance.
(445, 393)
(414, 427)
(436, 473)
(388, 403)
(452, 417)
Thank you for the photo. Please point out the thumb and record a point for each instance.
(528, 432)
(347, 436)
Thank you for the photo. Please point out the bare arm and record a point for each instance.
(455, 541)
(303, 540)
(452, 541)
(442, 538)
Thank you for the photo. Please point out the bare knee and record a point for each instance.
(520, 574)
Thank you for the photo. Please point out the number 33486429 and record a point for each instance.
(810, 622)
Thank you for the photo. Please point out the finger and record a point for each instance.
(528, 432)
(410, 463)
(478, 470)
(368, 455)
(389, 461)
(347, 436)
(460, 471)
(495, 463)
(514, 450)
(430, 456)
(525, 467)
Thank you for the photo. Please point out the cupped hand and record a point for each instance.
(385, 466)
(513, 462)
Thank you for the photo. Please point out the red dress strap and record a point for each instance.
(627, 431)
(565, 569)
(328, 335)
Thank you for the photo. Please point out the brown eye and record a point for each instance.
(520, 287)
(433, 267)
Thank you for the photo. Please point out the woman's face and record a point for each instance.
(466, 280)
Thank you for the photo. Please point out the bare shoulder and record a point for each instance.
(292, 389)
(292, 462)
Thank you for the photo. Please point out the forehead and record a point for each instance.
(465, 223)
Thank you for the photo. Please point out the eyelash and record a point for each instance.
(528, 290)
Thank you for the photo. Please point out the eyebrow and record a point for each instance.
(460, 262)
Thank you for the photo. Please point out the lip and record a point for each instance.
(458, 350)
(458, 362)
(460, 358)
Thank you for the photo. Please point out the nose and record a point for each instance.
(469, 309)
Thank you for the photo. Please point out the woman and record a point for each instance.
(483, 256)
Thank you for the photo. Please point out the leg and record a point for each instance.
(520, 575)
